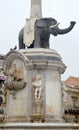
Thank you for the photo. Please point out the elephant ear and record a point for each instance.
(40, 23)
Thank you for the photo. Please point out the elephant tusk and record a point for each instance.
(53, 26)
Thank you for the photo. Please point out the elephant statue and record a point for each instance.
(46, 26)
(42, 30)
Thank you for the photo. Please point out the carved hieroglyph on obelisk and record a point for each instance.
(35, 13)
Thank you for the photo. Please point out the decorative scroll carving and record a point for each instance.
(15, 80)
(16, 71)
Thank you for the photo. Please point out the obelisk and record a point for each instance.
(36, 9)
(35, 13)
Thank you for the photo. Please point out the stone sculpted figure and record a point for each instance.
(37, 84)
(42, 30)
(15, 77)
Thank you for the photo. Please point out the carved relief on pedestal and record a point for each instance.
(16, 74)
(37, 98)
(3, 93)
(16, 71)
(37, 84)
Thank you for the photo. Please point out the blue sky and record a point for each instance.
(13, 14)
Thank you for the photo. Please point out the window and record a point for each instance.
(75, 101)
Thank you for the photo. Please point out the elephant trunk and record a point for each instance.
(63, 31)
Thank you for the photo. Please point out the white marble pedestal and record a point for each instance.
(42, 72)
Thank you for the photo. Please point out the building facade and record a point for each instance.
(70, 100)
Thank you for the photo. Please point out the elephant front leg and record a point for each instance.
(44, 43)
(37, 42)
(21, 44)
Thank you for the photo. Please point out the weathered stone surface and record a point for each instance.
(16, 70)
(40, 126)
(48, 64)
(40, 99)
(26, 104)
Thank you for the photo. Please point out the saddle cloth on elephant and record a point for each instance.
(29, 31)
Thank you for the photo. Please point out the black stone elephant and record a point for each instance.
(46, 26)
(42, 30)
(20, 39)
